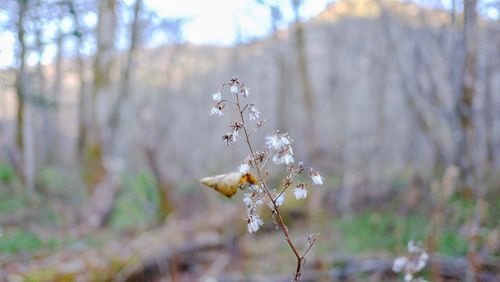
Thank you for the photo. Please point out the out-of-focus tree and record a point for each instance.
(282, 85)
(101, 168)
(124, 92)
(153, 121)
(22, 9)
(464, 105)
(307, 90)
(24, 130)
(103, 62)
(491, 69)
(83, 99)
(465, 112)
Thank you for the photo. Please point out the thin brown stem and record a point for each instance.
(311, 244)
(281, 222)
(242, 110)
(227, 101)
(288, 186)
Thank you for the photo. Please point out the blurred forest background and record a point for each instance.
(396, 102)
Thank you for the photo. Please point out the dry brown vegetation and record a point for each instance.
(394, 102)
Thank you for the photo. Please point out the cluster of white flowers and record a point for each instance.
(280, 143)
(277, 145)
(414, 262)
(253, 199)
(276, 141)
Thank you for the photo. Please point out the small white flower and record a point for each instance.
(300, 192)
(399, 264)
(411, 264)
(229, 138)
(252, 200)
(254, 223)
(422, 261)
(258, 202)
(283, 159)
(284, 156)
(277, 140)
(255, 188)
(247, 199)
(236, 126)
(217, 96)
(253, 113)
(280, 200)
(316, 178)
(234, 89)
(216, 111)
(244, 168)
(244, 91)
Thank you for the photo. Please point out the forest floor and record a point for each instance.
(37, 243)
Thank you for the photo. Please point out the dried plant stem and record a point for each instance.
(281, 222)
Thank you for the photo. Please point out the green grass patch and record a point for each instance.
(137, 204)
(7, 173)
(389, 232)
(12, 203)
(378, 231)
(22, 240)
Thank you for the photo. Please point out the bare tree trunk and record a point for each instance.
(104, 176)
(52, 129)
(283, 89)
(308, 94)
(379, 68)
(82, 98)
(126, 72)
(464, 105)
(106, 28)
(29, 148)
(21, 74)
(24, 131)
(282, 83)
(113, 147)
(411, 88)
(489, 106)
(465, 112)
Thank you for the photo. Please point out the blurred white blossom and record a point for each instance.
(399, 263)
(280, 200)
(229, 138)
(414, 262)
(254, 223)
(244, 91)
(316, 178)
(284, 155)
(216, 111)
(253, 113)
(217, 96)
(300, 192)
(244, 168)
(234, 89)
(277, 140)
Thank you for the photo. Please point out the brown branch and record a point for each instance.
(281, 222)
